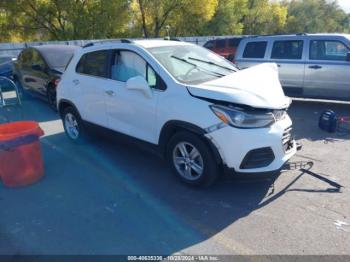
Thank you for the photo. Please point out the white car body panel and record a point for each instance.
(263, 90)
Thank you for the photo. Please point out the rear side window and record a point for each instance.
(220, 43)
(94, 64)
(328, 50)
(234, 42)
(287, 49)
(255, 50)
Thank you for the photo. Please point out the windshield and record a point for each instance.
(192, 64)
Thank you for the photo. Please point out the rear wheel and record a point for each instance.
(73, 125)
(192, 160)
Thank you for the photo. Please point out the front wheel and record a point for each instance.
(192, 159)
(73, 125)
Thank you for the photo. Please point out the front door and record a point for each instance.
(130, 111)
(327, 71)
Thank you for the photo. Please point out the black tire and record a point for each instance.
(51, 97)
(210, 170)
(81, 135)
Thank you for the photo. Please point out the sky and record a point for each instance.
(345, 4)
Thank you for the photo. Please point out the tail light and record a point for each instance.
(56, 82)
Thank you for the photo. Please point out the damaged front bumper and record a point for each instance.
(259, 150)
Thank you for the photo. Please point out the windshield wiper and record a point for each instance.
(196, 66)
(212, 63)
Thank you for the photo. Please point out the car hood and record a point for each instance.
(257, 86)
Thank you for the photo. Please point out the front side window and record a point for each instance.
(328, 50)
(94, 64)
(255, 50)
(287, 49)
(128, 64)
(192, 64)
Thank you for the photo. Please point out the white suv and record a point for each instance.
(201, 111)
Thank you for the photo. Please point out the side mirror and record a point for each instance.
(348, 57)
(139, 83)
(36, 67)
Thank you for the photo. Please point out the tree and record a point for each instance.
(184, 16)
(313, 16)
(264, 17)
(66, 19)
(228, 18)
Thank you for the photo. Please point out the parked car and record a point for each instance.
(225, 47)
(38, 69)
(6, 65)
(310, 65)
(199, 110)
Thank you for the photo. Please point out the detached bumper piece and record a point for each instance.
(260, 157)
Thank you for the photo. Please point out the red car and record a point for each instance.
(225, 47)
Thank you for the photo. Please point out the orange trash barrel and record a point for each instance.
(21, 160)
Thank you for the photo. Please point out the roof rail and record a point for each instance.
(279, 35)
(126, 41)
(172, 39)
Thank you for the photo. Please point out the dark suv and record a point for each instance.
(225, 47)
(39, 68)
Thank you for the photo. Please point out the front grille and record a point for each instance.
(287, 139)
(260, 157)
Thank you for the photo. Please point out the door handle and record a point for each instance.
(76, 82)
(278, 65)
(110, 92)
(315, 67)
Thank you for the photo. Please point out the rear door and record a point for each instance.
(327, 73)
(288, 54)
(90, 86)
